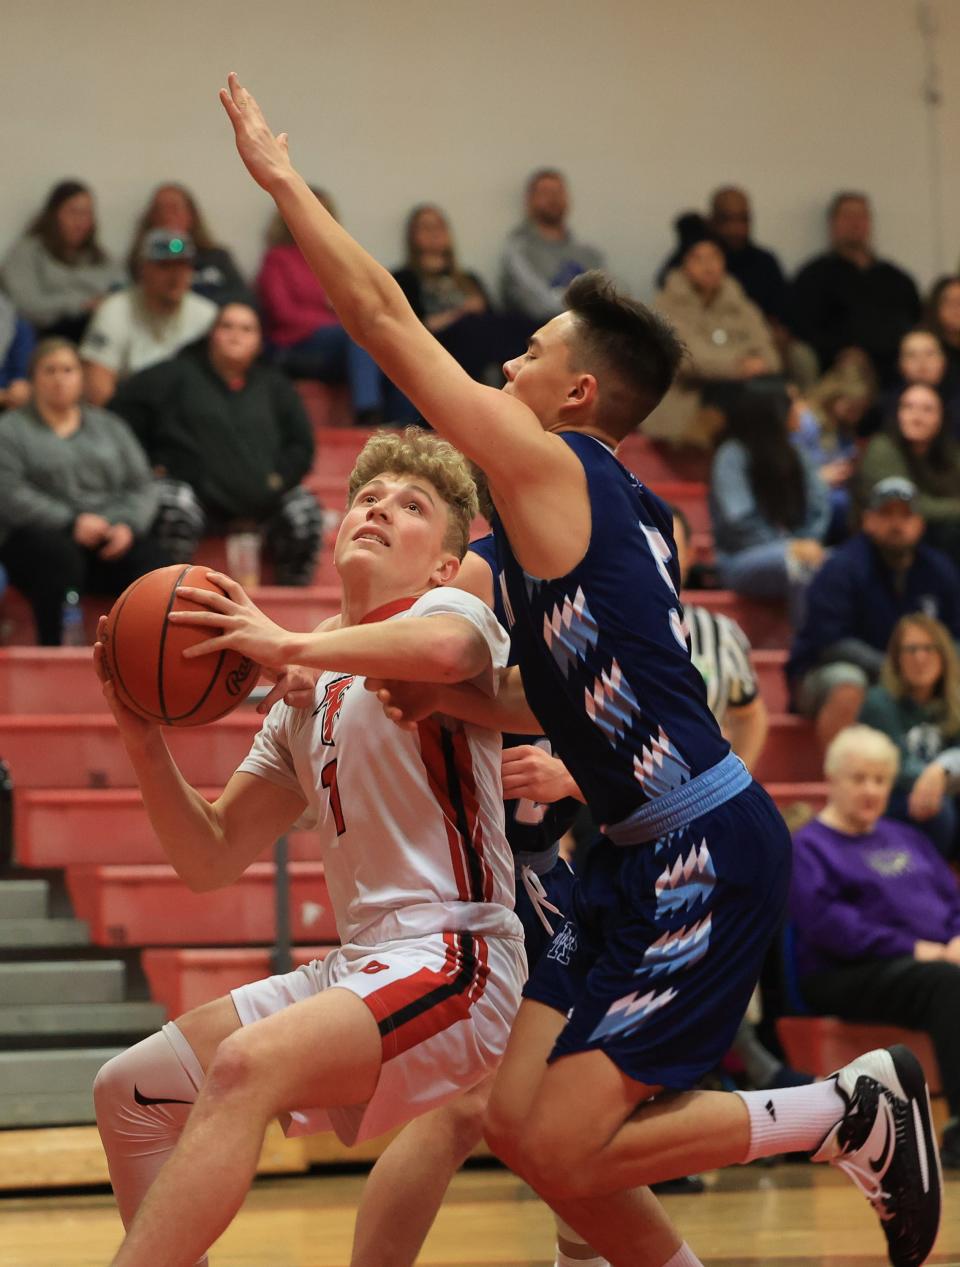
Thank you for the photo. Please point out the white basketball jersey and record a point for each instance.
(410, 822)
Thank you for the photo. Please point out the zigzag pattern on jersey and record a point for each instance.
(661, 768)
(570, 631)
(627, 1014)
(680, 949)
(688, 881)
(611, 704)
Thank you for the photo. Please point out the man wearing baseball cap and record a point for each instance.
(883, 572)
(149, 321)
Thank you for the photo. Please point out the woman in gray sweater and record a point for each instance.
(57, 273)
(77, 499)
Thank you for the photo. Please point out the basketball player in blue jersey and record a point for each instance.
(687, 884)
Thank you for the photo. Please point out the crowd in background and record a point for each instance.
(148, 403)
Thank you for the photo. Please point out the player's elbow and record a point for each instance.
(458, 656)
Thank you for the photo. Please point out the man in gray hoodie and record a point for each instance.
(542, 257)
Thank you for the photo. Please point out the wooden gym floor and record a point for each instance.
(787, 1216)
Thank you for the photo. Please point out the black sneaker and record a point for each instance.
(885, 1143)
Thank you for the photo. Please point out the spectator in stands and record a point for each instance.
(148, 321)
(825, 424)
(922, 360)
(849, 297)
(721, 651)
(882, 573)
(76, 497)
(943, 318)
(454, 304)
(229, 440)
(876, 913)
(770, 509)
(542, 257)
(302, 329)
(915, 445)
(756, 269)
(917, 703)
(16, 346)
(57, 273)
(174, 208)
(728, 340)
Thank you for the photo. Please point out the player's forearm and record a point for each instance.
(420, 649)
(185, 822)
(507, 711)
(363, 292)
(746, 728)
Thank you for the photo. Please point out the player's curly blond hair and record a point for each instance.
(417, 452)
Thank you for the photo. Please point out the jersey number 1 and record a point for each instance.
(328, 777)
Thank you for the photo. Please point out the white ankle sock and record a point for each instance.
(566, 1233)
(684, 1257)
(792, 1119)
(564, 1260)
(143, 1098)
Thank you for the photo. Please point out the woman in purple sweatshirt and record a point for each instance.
(876, 912)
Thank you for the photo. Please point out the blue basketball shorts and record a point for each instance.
(558, 883)
(667, 942)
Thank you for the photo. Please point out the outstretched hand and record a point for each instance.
(135, 730)
(243, 626)
(264, 155)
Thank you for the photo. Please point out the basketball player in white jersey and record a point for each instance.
(416, 1004)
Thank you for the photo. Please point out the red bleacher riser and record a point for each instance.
(151, 906)
(652, 462)
(84, 750)
(821, 1044)
(769, 666)
(764, 622)
(688, 496)
(63, 827)
(786, 794)
(185, 979)
(791, 754)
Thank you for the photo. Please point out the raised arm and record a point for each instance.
(499, 433)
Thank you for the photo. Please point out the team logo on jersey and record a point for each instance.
(329, 707)
(564, 945)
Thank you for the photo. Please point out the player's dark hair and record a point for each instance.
(631, 351)
(543, 173)
(758, 421)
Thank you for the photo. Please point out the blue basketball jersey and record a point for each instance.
(530, 827)
(603, 652)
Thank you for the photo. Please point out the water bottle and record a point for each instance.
(71, 621)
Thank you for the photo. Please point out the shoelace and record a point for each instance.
(869, 1185)
(538, 897)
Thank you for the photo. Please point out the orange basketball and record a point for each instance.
(144, 654)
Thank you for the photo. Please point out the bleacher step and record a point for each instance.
(53, 981)
(42, 934)
(23, 899)
(47, 1088)
(73, 1020)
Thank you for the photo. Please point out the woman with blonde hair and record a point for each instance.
(917, 704)
(302, 329)
(215, 274)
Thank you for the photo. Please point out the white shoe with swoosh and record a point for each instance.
(886, 1144)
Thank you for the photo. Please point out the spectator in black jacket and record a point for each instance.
(848, 298)
(453, 303)
(229, 441)
(882, 573)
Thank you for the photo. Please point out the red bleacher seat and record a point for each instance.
(791, 754)
(769, 665)
(151, 906)
(821, 1044)
(64, 827)
(184, 979)
(786, 794)
(688, 496)
(764, 621)
(652, 462)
